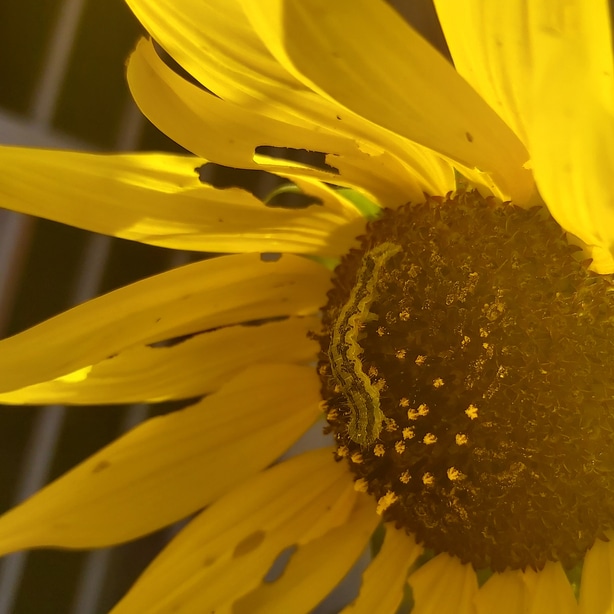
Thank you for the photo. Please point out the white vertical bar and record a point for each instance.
(91, 581)
(57, 56)
(130, 127)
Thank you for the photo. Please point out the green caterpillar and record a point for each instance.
(344, 352)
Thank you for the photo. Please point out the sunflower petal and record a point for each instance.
(310, 577)
(384, 581)
(474, 31)
(504, 593)
(226, 551)
(157, 199)
(444, 586)
(596, 589)
(550, 591)
(245, 73)
(170, 467)
(549, 71)
(230, 134)
(191, 368)
(186, 300)
(516, 592)
(363, 56)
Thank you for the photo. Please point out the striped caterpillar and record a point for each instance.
(344, 352)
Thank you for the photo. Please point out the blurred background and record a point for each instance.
(62, 85)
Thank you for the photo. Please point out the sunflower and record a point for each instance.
(462, 343)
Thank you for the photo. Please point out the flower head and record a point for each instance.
(406, 387)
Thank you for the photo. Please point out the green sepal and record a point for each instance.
(367, 207)
(284, 188)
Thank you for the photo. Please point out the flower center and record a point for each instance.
(467, 369)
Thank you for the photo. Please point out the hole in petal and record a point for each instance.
(256, 182)
(167, 343)
(292, 200)
(317, 159)
(270, 257)
(279, 565)
(274, 190)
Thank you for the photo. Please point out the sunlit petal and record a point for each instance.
(244, 72)
(159, 199)
(339, 49)
(549, 71)
(231, 134)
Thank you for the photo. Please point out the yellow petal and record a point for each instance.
(504, 593)
(549, 71)
(230, 134)
(516, 592)
(188, 369)
(171, 466)
(362, 55)
(597, 587)
(310, 576)
(550, 591)
(384, 581)
(475, 31)
(572, 145)
(157, 199)
(201, 296)
(444, 586)
(227, 550)
(245, 73)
